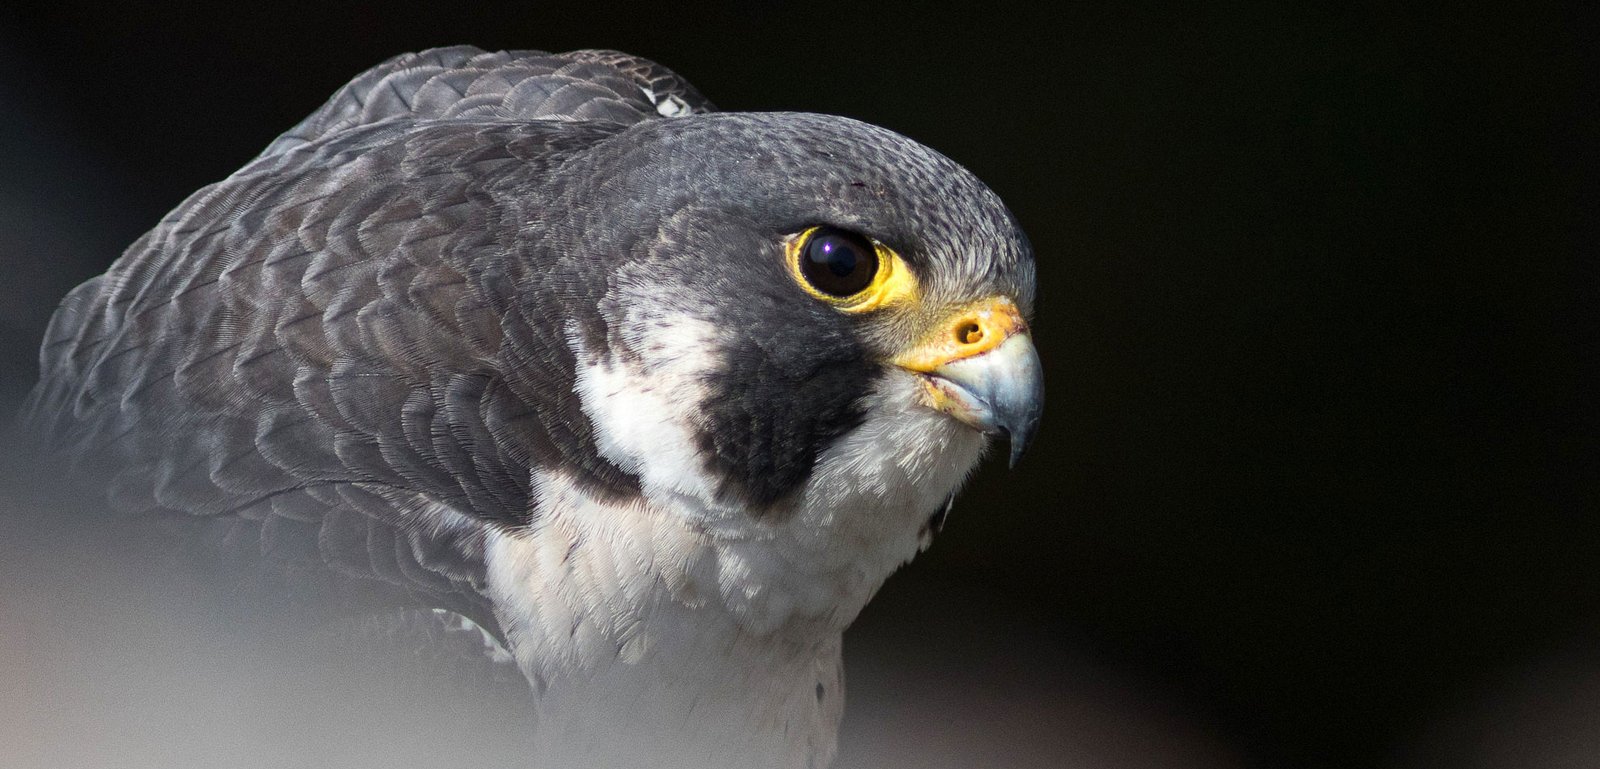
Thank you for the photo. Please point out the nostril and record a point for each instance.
(969, 333)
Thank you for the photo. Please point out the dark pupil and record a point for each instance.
(838, 263)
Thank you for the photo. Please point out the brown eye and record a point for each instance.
(837, 262)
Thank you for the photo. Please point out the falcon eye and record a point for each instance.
(850, 271)
(837, 262)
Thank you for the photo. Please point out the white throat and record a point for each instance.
(672, 630)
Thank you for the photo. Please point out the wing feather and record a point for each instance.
(332, 364)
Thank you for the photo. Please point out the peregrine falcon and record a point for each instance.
(544, 346)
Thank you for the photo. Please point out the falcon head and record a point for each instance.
(805, 332)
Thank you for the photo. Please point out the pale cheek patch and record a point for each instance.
(644, 405)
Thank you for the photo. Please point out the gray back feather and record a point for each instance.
(465, 83)
(333, 369)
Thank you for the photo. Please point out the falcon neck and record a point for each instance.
(636, 660)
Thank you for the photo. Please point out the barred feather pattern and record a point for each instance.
(336, 365)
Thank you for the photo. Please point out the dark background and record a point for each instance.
(1317, 302)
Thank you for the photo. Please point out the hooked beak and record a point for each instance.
(982, 369)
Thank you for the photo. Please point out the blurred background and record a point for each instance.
(1317, 482)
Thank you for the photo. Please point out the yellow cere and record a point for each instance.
(892, 284)
(968, 332)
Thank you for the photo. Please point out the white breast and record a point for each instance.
(677, 630)
(613, 614)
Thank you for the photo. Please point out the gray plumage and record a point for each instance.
(353, 363)
(358, 272)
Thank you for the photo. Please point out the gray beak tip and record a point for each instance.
(1001, 391)
(1020, 439)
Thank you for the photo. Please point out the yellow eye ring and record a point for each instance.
(828, 262)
